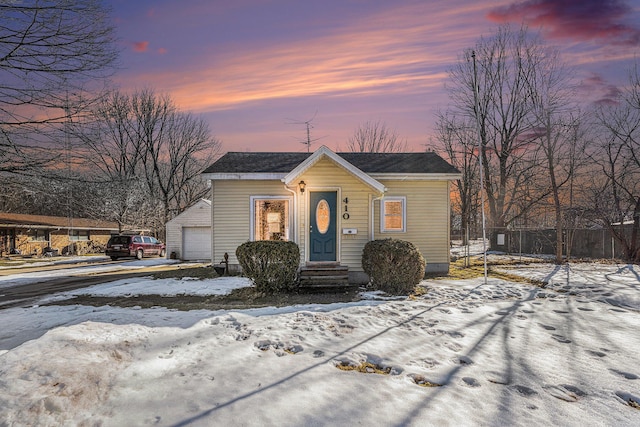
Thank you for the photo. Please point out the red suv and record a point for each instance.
(134, 246)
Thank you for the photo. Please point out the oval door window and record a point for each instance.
(322, 216)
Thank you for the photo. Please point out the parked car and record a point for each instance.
(122, 246)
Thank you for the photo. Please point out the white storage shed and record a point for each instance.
(189, 234)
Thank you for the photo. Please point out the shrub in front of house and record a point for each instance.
(393, 266)
(271, 265)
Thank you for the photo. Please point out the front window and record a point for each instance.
(393, 214)
(270, 218)
(39, 235)
(78, 235)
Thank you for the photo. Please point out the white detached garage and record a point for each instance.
(189, 234)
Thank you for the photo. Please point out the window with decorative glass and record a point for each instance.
(270, 218)
(393, 214)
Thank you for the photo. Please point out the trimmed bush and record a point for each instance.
(271, 265)
(393, 266)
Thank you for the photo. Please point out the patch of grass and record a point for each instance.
(423, 382)
(459, 271)
(418, 292)
(203, 272)
(365, 368)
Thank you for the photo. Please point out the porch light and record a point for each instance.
(302, 185)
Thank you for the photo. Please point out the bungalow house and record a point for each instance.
(331, 204)
(31, 234)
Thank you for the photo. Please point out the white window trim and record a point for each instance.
(402, 199)
(252, 213)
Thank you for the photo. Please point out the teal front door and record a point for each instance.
(322, 225)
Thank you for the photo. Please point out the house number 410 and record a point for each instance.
(345, 215)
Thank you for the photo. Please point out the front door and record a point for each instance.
(322, 225)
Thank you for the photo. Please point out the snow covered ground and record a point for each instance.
(79, 268)
(503, 353)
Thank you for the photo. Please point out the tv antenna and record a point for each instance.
(308, 125)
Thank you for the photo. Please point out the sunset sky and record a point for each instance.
(256, 70)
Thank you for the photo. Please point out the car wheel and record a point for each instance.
(163, 253)
(139, 254)
(113, 258)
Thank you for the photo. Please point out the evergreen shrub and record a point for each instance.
(270, 264)
(393, 266)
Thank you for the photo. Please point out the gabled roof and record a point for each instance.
(44, 221)
(324, 152)
(201, 203)
(369, 163)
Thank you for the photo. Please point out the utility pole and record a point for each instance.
(67, 147)
(477, 111)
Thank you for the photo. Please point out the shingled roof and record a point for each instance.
(44, 221)
(410, 163)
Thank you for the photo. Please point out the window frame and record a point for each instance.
(288, 220)
(383, 228)
(38, 235)
(79, 235)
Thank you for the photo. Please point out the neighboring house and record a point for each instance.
(332, 204)
(31, 234)
(189, 234)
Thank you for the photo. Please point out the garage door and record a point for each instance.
(196, 243)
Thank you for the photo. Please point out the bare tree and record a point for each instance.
(506, 66)
(617, 198)
(150, 154)
(49, 51)
(555, 123)
(375, 137)
(458, 139)
(112, 154)
(177, 147)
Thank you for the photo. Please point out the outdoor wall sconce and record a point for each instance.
(302, 185)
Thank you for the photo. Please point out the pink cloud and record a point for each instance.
(140, 46)
(601, 91)
(162, 51)
(575, 19)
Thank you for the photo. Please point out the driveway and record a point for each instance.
(20, 287)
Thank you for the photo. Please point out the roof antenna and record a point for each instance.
(309, 126)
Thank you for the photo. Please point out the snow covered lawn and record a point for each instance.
(503, 353)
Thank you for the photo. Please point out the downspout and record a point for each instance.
(294, 226)
(373, 216)
(212, 241)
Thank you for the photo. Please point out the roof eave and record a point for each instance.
(417, 176)
(58, 227)
(256, 176)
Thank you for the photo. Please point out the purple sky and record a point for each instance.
(257, 69)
